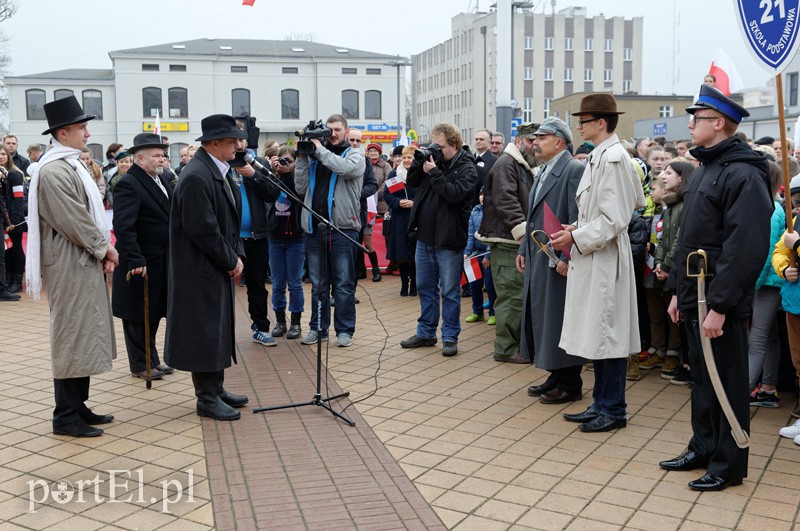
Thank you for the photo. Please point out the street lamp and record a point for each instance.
(400, 61)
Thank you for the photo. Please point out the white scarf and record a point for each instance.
(33, 266)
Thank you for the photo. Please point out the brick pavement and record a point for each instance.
(450, 443)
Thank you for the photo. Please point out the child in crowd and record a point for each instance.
(475, 247)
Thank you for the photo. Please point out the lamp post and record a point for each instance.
(400, 61)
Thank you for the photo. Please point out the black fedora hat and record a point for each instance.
(147, 140)
(219, 126)
(63, 112)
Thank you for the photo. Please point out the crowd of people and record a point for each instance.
(580, 247)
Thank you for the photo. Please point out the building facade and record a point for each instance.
(284, 84)
(552, 56)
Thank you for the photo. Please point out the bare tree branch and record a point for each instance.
(7, 9)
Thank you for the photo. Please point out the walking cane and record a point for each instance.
(740, 437)
(148, 382)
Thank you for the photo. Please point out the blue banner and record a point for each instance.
(770, 29)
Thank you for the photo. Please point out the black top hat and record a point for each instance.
(63, 112)
(219, 126)
(147, 140)
(711, 98)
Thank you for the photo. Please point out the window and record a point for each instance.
(149, 68)
(792, 89)
(548, 74)
(588, 74)
(626, 85)
(372, 105)
(178, 102)
(350, 104)
(546, 107)
(568, 44)
(373, 71)
(664, 111)
(177, 68)
(290, 104)
(527, 110)
(527, 73)
(349, 71)
(608, 75)
(175, 152)
(93, 104)
(627, 53)
(548, 43)
(241, 102)
(34, 104)
(60, 94)
(238, 69)
(609, 47)
(588, 44)
(567, 74)
(528, 42)
(97, 151)
(151, 102)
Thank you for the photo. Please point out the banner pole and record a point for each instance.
(787, 192)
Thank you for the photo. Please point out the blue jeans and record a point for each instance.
(339, 273)
(609, 387)
(286, 263)
(439, 271)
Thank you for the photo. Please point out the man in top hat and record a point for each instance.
(205, 254)
(726, 212)
(69, 250)
(141, 224)
(600, 315)
(552, 199)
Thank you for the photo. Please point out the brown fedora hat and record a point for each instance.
(598, 104)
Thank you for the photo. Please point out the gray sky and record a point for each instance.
(49, 35)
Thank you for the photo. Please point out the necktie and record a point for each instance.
(542, 177)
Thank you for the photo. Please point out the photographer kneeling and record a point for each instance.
(330, 181)
(446, 175)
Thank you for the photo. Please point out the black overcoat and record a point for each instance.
(204, 245)
(141, 226)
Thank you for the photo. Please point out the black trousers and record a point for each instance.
(15, 257)
(567, 379)
(711, 433)
(134, 343)
(70, 395)
(255, 278)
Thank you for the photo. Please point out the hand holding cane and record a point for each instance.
(148, 381)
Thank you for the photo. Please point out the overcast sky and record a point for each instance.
(49, 35)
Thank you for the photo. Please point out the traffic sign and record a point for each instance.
(660, 128)
(770, 29)
(515, 122)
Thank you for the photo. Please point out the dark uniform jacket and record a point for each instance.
(257, 188)
(141, 225)
(726, 211)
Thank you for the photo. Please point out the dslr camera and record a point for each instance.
(424, 153)
(314, 129)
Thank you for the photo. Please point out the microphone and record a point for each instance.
(250, 159)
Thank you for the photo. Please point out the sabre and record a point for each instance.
(543, 241)
(148, 382)
(740, 437)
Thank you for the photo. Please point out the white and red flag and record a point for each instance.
(472, 269)
(157, 125)
(7, 244)
(395, 184)
(18, 191)
(248, 2)
(724, 71)
(372, 208)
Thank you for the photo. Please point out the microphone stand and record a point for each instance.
(324, 227)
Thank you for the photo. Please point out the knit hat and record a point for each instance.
(794, 184)
(397, 151)
(376, 147)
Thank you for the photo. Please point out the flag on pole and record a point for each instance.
(248, 2)
(7, 244)
(724, 71)
(395, 184)
(157, 125)
(472, 269)
(649, 265)
(372, 208)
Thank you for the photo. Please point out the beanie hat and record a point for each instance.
(376, 147)
(794, 185)
(398, 150)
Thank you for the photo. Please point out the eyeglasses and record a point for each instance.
(495, 143)
(588, 120)
(693, 118)
(355, 141)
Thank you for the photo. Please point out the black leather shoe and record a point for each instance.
(217, 410)
(603, 423)
(710, 483)
(557, 396)
(93, 419)
(516, 358)
(77, 429)
(232, 399)
(539, 390)
(582, 417)
(415, 342)
(166, 369)
(688, 460)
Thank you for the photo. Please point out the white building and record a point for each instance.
(552, 56)
(284, 84)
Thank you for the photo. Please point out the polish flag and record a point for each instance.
(649, 265)
(157, 125)
(723, 69)
(395, 184)
(248, 2)
(18, 191)
(372, 208)
(472, 269)
(7, 242)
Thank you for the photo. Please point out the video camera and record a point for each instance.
(432, 150)
(312, 130)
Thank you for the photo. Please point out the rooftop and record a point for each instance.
(71, 73)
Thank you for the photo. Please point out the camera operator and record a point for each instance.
(331, 180)
(440, 215)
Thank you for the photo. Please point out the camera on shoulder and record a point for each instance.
(314, 129)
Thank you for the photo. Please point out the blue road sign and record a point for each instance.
(770, 29)
(514, 123)
(660, 129)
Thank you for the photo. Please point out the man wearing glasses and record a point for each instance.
(727, 210)
(601, 322)
(354, 138)
(497, 144)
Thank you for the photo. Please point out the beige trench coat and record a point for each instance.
(81, 331)
(600, 316)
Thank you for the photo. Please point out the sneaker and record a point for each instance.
(670, 364)
(449, 349)
(492, 321)
(643, 355)
(264, 338)
(797, 440)
(790, 432)
(670, 374)
(761, 398)
(415, 342)
(344, 340)
(311, 338)
(633, 373)
(651, 362)
(682, 376)
(474, 318)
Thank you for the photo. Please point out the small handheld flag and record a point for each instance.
(395, 184)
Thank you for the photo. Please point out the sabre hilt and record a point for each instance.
(702, 264)
(542, 239)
